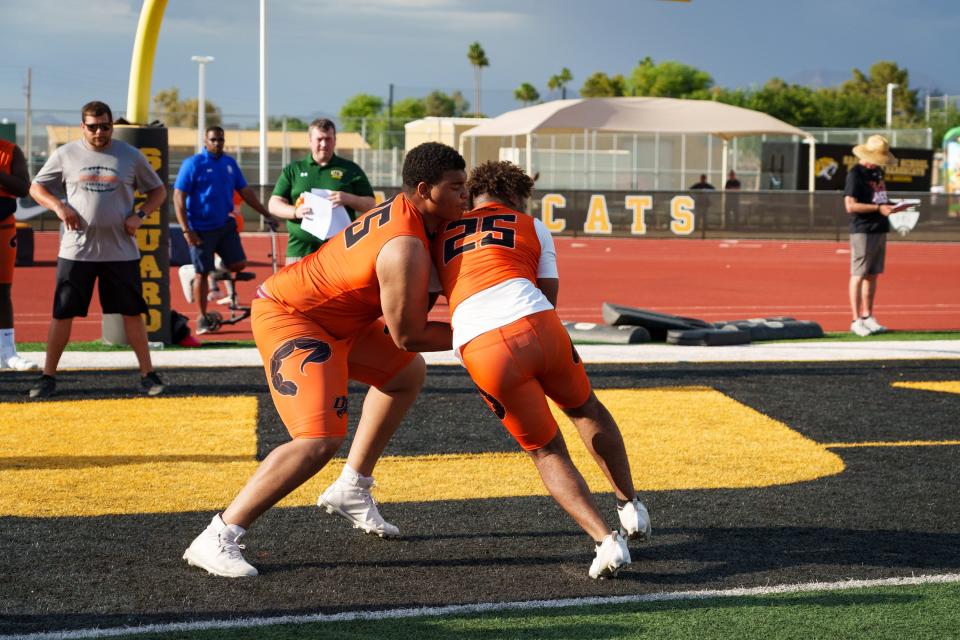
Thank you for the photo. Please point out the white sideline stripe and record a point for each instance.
(465, 609)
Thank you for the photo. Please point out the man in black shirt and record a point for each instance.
(703, 184)
(865, 199)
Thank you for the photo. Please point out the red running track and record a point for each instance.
(709, 279)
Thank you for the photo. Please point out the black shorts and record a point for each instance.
(118, 283)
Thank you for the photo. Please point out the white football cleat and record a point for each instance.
(634, 521)
(18, 363)
(612, 554)
(859, 328)
(217, 550)
(872, 325)
(352, 500)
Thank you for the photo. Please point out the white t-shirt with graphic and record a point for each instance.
(100, 185)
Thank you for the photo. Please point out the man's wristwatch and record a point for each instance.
(140, 213)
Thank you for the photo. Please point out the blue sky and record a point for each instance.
(320, 53)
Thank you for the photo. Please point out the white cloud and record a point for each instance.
(448, 15)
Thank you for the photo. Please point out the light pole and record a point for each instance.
(890, 87)
(202, 98)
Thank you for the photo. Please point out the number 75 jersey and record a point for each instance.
(490, 259)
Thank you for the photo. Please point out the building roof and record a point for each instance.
(635, 115)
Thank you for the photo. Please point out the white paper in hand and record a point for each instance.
(325, 220)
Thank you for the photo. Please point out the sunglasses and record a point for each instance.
(99, 126)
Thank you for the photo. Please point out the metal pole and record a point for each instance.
(890, 87)
(263, 101)
(28, 121)
(201, 98)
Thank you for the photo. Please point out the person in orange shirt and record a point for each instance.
(14, 183)
(316, 325)
(498, 270)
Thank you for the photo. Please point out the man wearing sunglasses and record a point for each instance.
(98, 177)
(203, 199)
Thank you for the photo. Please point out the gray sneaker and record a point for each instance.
(45, 388)
(151, 384)
(354, 502)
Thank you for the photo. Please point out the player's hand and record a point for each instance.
(131, 224)
(192, 238)
(271, 222)
(886, 209)
(69, 215)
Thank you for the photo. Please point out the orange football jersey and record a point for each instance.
(337, 285)
(489, 245)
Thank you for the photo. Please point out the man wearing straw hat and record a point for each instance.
(865, 199)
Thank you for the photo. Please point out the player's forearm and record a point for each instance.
(15, 185)
(434, 336)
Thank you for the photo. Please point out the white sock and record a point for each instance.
(8, 345)
(351, 476)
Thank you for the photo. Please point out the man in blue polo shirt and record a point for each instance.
(203, 199)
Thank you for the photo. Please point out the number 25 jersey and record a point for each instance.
(488, 263)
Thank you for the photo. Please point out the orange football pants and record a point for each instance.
(518, 366)
(308, 369)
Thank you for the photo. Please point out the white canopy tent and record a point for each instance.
(639, 115)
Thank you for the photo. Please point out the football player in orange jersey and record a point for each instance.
(316, 324)
(498, 270)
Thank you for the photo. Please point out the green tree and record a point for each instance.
(358, 107)
(478, 59)
(669, 79)
(437, 103)
(600, 85)
(874, 85)
(293, 124)
(560, 81)
(791, 103)
(526, 93)
(174, 112)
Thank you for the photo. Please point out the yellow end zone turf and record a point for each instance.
(944, 386)
(101, 457)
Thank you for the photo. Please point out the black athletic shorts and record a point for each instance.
(118, 283)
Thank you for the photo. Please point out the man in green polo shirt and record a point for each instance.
(323, 169)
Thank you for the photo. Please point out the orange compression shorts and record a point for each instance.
(308, 369)
(517, 367)
(8, 249)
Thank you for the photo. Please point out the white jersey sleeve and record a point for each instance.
(547, 268)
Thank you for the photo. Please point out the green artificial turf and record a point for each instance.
(99, 345)
(924, 611)
(839, 336)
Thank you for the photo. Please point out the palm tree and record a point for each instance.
(478, 58)
(526, 93)
(560, 81)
